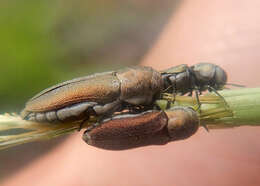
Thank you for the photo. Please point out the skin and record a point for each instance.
(224, 32)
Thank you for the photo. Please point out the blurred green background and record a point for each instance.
(44, 42)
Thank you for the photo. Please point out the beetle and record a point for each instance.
(102, 94)
(153, 127)
(183, 79)
(99, 95)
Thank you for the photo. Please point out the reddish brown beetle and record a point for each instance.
(105, 93)
(127, 131)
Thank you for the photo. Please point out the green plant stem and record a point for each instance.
(237, 107)
(15, 131)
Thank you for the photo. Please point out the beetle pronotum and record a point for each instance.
(103, 94)
(127, 131)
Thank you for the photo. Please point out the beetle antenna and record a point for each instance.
(235, 85)
(218, 94)
(165, 90)
(205, 127)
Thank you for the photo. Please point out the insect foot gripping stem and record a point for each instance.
(126, 131)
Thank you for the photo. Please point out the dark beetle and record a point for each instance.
(183, 79)
(105, 93)
(127, 131)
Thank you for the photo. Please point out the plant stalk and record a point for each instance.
(234, 108)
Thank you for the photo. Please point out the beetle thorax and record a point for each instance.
(139, 85)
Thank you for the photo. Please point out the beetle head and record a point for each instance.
(182, 122)
(209, 74)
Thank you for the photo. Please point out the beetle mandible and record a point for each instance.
(102, 94)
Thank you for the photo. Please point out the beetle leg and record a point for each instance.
(171, 86)
(94, 125)
(89, 111)
(136, 109)
(102, 118)
(157, 107)
(204, 126)
(169, 102)
(105, 111)
(218, 94)
(82, 123)
(197, 92)
(174, 91)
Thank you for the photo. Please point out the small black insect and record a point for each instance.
(183, 79)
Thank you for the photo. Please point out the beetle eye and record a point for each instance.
(221, 77)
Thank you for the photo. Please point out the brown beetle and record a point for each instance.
(99, 95)
(105, 93)
(127, 131)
